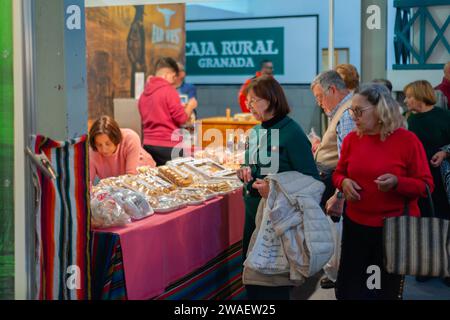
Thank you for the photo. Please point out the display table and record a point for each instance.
(222, 124)
(140, 260)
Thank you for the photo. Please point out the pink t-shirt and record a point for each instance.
(128, 156)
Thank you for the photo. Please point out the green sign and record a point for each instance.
(6, 153)
(233, 51)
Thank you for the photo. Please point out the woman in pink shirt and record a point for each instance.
(114, 151)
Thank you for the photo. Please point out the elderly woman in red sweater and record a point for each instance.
(382, 169)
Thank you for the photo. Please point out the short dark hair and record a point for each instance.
(167, 62)
(264, 62)
(267, 88)
(105, 125)
(385, 82)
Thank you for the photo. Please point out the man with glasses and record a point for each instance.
(334, 98)
(266, 69)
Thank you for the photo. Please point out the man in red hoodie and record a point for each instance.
(162, 113)
(445, 84)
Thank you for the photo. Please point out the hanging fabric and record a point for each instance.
(62, 220)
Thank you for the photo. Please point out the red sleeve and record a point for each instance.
(176, 109)
(132, 151)
(340, 173)
(243, 97)
(418, 172)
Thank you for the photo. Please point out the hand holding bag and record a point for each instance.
(418, 246)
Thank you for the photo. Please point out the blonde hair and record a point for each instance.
(422, 91)
(386, 108)
(349, 74)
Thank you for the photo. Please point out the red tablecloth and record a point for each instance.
(165, 247)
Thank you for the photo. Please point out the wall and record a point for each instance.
(347, 18)
(214, 99)
(6, 153)
(400, 78)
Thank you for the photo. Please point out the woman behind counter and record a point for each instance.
(268, 104)
(113, 151)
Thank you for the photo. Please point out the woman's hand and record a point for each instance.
(350, 189)
(437, 159)
(245, 174)
(263, 187)
(386, 182)
(335, 206)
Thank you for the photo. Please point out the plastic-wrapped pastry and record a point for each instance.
(191, 196)
(166, 203)
(111, 182)
(188, 170)
(158, 183)
(218, 187)
(106, 211)
(176, 176)
(134, 203)
(147, 170)
(116, 207)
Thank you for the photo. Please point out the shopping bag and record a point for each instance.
(417, 246)
(267, 255)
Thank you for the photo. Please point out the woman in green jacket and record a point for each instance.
(277, 145)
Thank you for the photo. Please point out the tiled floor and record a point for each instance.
(430, 290)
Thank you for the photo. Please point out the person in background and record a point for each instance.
(333, 96)
(432, 127)
(384, 82)
(113, 151)
(349, 74)
(184, 88)
(162, 113)
(382, 169)
(267, 70)
(444, 86)
(267, 102)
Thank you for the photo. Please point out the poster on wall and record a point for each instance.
(123, 44)
(6, 153)
(231, 51)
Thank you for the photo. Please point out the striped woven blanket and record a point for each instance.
(63, 221)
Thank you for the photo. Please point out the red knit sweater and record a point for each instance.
(365, 158)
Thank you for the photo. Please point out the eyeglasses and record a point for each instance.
(250, 103)
(357, 112)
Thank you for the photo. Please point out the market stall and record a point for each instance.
(192, 214)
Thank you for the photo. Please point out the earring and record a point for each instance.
(380, 122)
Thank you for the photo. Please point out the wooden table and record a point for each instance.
(223, 126)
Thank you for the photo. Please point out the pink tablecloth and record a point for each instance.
(165, 247)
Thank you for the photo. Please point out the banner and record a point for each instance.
(6, 153)
(234, 52)
(231, 51)
(124, 43)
